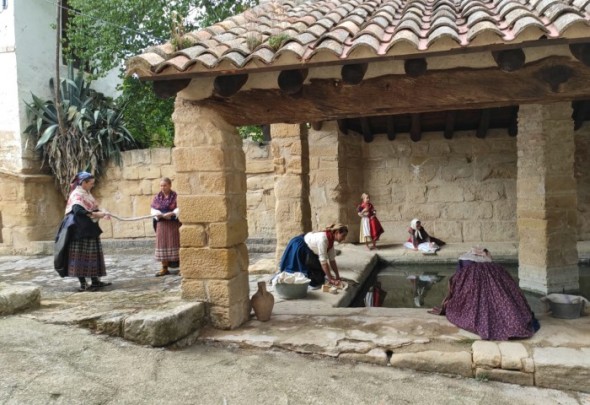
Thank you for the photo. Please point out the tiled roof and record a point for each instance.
(337, 30)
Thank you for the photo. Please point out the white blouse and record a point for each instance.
(318, 243)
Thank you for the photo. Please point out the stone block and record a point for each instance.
(128, 229)
(435, 361)
(150, 172)
(226, 234)
(201, 208)
(193, 236)
(200, 159)
(278, 131)
(259, 166)
(230, 317)
(376, 356)
(505, 376)
(194, 290)
(228, 292)
(131, 173)
(161, 156)
(562, 368)
(164, 326)
(205, 263)
(486, 354)
(17, 298)
(513, 355)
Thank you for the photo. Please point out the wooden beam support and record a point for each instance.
(168, 88)
(581, 111)
(228, 85)
(450, 124)
(509, 60)
(556, 76)
(513, 126)
(354, 73)
(484, 123)
(444, 90)
(291, 81)
(581, 52)
(415, 67)
(390, 128)
(366, 128)
(317, 125)
(415, 128)
(342, 126)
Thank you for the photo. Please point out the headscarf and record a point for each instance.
(78, 179)
(79, 196)
(417, 233)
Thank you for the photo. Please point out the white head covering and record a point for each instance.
(417, 233)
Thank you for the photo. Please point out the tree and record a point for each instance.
(106, 33)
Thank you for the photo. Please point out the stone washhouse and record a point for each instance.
(333, 76)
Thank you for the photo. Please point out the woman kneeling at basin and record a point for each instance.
(313, 254)
(484, 299)
(421, 240)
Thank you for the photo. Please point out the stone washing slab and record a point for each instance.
(164, 326)
(17, 298)
(562, 368)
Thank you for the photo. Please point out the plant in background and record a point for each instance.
(253, 132)
(276, 41)
(93, 129)
(177, 33)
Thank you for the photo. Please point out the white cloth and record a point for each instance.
(154, 212)
(318, 243)
(365, 229)
(426, 247)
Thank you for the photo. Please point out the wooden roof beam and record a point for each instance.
(366, 128)
(390, 128)
(354, 73)
(484, 123)
(228, 85)
(291, 81)
(415, 128)
(581, 52)
(168, 88)
(450, 124)
(509, 60)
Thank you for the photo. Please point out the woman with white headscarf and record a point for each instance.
(421, 240)
(78, 250)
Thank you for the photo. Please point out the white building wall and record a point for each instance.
(9, 106)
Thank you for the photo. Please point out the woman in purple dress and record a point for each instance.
(165, 212)
(484, 299)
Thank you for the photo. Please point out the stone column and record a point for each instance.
(291, 159)
(547, 199)
(211, 185)
(336, 178)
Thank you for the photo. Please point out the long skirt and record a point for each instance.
(85, 258)
(167, 241)
(298, 257)
(484, 299)
(371, 229)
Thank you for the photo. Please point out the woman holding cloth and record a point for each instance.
(78, 247)
(165, 212)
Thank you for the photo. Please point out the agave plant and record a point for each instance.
(94, 130)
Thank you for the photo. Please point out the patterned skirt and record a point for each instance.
(167, 241)
(85, 258)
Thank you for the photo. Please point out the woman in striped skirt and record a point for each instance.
(84, 250)
(165, 212)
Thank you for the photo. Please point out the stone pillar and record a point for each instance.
(547, 199)
(336, 178)
(211, 186)
(291, 159)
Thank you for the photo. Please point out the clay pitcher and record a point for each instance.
(262, 302)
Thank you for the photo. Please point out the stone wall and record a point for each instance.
(30, 211)
(463, 189)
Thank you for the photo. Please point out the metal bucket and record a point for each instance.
(291, 291)
(566, 311)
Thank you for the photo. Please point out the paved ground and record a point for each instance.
(558, 356)
(51, 364)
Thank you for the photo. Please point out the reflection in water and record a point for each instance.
(425, 286)
(421, 284)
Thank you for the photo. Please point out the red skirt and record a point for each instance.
(167, 241)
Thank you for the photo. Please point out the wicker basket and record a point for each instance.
(291, 291)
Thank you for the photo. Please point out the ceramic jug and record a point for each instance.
(262, 302)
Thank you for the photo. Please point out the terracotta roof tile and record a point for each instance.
(338, 28)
